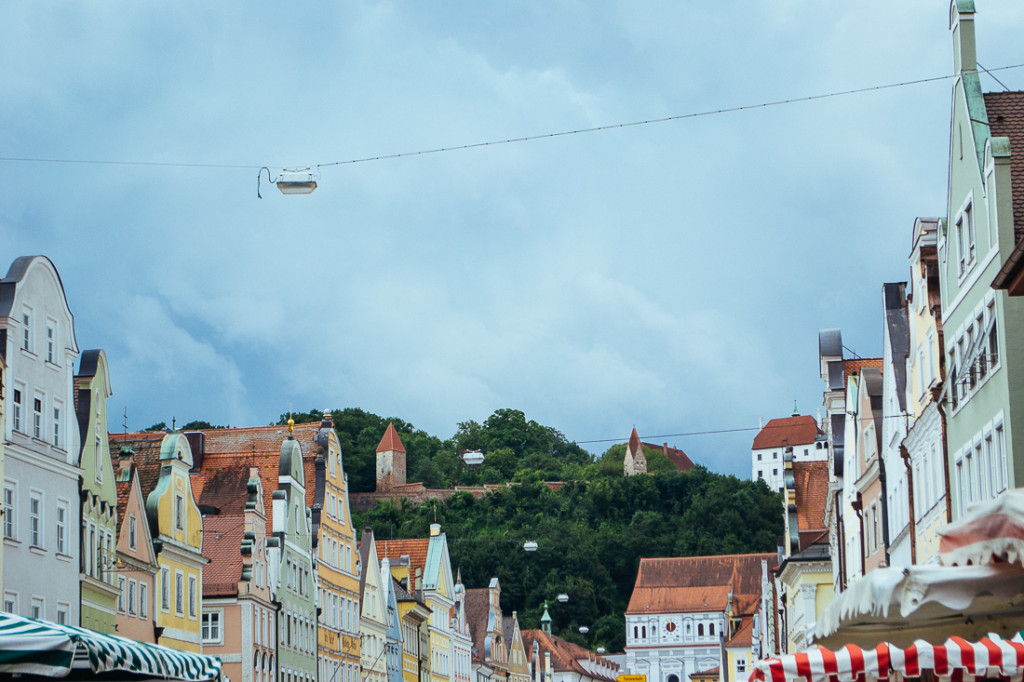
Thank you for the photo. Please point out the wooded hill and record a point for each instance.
(590, 534)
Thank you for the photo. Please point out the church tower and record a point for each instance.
(390, 460)
(635, 461)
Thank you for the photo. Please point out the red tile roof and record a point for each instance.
(146, 445)
(1006, 119)
(799, 430)
(414, 548)
(696, 584)
(810, 480)
(222, 543)
(679, 458)
(852, 366)
(565, 656)
(634, 441)
(744, 635)
(391, 442)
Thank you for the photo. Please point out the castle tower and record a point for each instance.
(635, 461)
(390, 460)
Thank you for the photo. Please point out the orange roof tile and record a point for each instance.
(799, 430)
(810, 480)
(744, 635)
(695, 584)
(852, 366)
(391, 442)
(222, 543)
(414, 548)
(565, 656)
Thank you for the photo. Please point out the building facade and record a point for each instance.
(42, 511)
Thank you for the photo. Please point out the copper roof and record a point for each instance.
(1006, 119)
(696, 584)
(776, 433)
(391, 442)
(634, 441)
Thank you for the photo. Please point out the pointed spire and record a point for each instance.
(391, 442)
(796, 412)
(545, 620)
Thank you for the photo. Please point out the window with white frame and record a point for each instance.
(62, 613)
(121, 589)
(10, 507)
(37, 417)
(179, 593)
(132, 587)
(211, 628)
(26, 332)
(965, 239)
(62, 528)
(193, 596)
(11, 602)
(38, 608)
(179, 512)
(56, 425)
(35, 518)
(165, 589)
(143, 600)
(16, 416)
(132, 531)
(51, 341)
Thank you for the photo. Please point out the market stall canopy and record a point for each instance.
(955, 659)
(925, 602)
(35, 647)
(992, 531)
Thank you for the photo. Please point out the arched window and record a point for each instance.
(636, 632)
(700, 629)
(672, 678)
(643, 632)
(711, 629)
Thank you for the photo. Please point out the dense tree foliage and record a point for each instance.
(591, 532)
(590, 536)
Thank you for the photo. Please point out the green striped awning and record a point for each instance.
(35, 647)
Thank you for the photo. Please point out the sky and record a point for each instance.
(670, 277)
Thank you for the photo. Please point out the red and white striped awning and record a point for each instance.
(957, 660)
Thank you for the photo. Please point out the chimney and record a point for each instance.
(197, 443)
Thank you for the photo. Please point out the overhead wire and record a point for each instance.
(525, 138)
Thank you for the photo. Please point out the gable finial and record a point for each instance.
(796, 412)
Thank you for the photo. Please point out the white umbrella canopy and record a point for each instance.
(930, 603)
(992, 531)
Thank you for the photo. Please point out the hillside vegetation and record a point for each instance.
(591, 533)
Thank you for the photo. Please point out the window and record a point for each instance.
(50, 341)
(121, 590)
(965, 239)
(711, 629)
(132, 531)
(143, 600)
(741, 665)
(759, 457)
(999, 457)
(56, 426)
(26, 336)
(38, 608)
(874, 527)
(10, 602)
(193, 596)
(165, 589)
(62, 614)
(179, 593)
(179, 512)
(17, 409)
(35, 519)
(211, 627)
(9, 511)
(132, 587)
(700, 629)
(62, 528)
(37, 417)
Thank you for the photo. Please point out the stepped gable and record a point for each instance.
(565, 656)
(801, 430)
(697, 584)
(390, 442)
(228, 453)
(811, 487)
(1006, 119)
(222, 543)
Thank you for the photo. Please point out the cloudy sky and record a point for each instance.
(670, 276)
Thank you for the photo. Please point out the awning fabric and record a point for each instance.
(992, 531)
(957, 660)
(35, 647)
